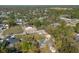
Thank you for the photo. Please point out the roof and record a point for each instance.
(1, 40)
(77, 37)
(19, 21)
(1, 25)
(77, 34)
(41, 32)
(30, 29)
(12, 40)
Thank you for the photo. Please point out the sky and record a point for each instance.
(39, 2)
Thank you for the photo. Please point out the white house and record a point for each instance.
(77, 37)
(3, 26)
(30, 30)
(70, 22)
(41, 32)
(1, 40)
(56, 24)
(19, 21)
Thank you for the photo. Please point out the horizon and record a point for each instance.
(39, 6)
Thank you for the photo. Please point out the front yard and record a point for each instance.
(13, 30)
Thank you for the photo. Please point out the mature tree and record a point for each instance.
(49, 29)
(10, 22)
(77, 28)
(64, 41)
(3, 47)
(28, 47)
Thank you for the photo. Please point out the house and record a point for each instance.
(77, 37)
(55, 24)
(19, 21)
(3, 26)
(6, 26)
(3, 14)
(65, 18)
(30, 30)
(1, 40)
(44, 33)
(43, 42)
(12, 40)
(69, 21)
(8, 12)
(41, 32)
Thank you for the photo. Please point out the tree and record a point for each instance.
(77, 28)
(30, 43)
(64, 41)
(27, 47)
(3, 47)
(10, 22)
(35, 22)
(49, 29)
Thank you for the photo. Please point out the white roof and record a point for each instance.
(52, 49)
(41, 32)
(30, 28)
(77, 35)
(48, 36)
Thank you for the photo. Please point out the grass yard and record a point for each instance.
(13, 30)
(24, 36)
(30, 37)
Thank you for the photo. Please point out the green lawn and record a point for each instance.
(13, 30)
(24, 36)
(30, 37)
